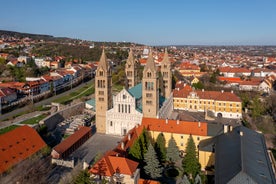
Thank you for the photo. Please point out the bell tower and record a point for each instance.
(150, 89)
(166, 71)
(131, 70)
(103, 95)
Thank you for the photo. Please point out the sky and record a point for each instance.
(150, 22)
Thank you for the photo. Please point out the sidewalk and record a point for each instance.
(19, 119)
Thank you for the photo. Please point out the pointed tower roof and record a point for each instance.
(130, 59)
(103, 61)
(166, 57)
(150, 63)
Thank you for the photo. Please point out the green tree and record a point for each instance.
(152, 167)
(135, 151)
(172, 151)
(82, 178)
(140, 146)
(257, 108)
(198, 85)
(190, 162)
(160, 147)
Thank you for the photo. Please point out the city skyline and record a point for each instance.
(147, 22)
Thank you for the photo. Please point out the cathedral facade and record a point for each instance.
(121, 113)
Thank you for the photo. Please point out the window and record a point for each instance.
(101, 92)
(181, 136)
(125, 108)
(148, 95)
(110, 123)
(119, 109)
(101, 99)
(148, 102)
(101, 73)
(182, 144)
(149, 85)
(128, 108)
(198, 138)
(124, 96)
(149, 74)
(122, 108)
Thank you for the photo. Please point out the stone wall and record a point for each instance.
(54, 119)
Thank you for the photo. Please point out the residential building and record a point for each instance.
(220, 103)
(114, 168)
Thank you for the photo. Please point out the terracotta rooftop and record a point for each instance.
(67, 143)
(173, 126)
(110, 165)
(18, 145)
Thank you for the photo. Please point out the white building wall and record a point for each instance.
(123, 116)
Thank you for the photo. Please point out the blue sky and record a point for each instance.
(152, 22)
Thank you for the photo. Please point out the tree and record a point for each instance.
(152, 167)
(198, 85)
(190, 162)
(140, 146)
(172, 151)
(257, 108)
(82, 178)
(160, 147)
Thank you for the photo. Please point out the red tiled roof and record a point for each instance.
(230, 79)
(183, 127)
(67, 143)
(109, 165)
(212, 95)
(18, 145)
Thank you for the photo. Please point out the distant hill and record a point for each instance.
(22, 35)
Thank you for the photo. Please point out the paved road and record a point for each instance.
(43, 102)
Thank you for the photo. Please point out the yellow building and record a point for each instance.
(180, 131)
(220, 103)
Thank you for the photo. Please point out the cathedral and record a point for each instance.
(151, 98)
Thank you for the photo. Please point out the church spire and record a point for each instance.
(150, 63)
(103, 61)
(166, 57)
(130, 59)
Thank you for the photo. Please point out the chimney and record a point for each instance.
(166, 120)
(232, 91)
(241, 133)
(199, 124)
(225, 128)
(177, 121)
(222, 91)
(202, 90)
(129, 136)
(122, 145)
(184, 84)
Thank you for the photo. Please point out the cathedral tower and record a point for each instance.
(131, 70)
(166, 71)
(150, 89)
(103, 95)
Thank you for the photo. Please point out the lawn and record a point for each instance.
(84, 91)
(34, 120)
(7, 129)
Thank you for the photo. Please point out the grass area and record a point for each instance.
(42, 108)
(7, 129)
(84, 91)
(34, 120)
